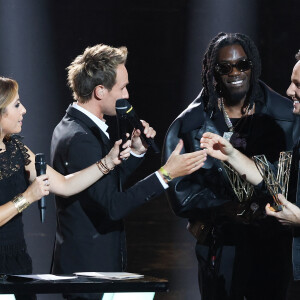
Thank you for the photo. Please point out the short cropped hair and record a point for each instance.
(96, 66)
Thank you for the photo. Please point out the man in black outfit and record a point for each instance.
(236, 246)
(90, 230)
(290, 214)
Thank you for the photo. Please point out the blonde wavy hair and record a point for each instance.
(8, 90)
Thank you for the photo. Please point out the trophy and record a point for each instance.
(242, 188)
(243, 191)
(279, 184)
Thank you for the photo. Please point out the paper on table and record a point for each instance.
(46, 277)
(110, 275)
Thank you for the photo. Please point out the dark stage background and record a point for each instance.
(166, 41)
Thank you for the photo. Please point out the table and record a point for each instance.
(83, 285)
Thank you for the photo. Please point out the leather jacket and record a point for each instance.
(204, 193)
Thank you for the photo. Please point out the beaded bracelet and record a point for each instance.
(20, 203)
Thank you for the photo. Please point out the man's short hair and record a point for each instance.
(96, 66)
(298, 55)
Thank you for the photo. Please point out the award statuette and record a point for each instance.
(279, 184)
(244, 211)
(242, 188)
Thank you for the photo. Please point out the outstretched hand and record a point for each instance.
(184, 164)
(216, 146)
(289, 215)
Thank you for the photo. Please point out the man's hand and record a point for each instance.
(289, 215)
(216, 146)
(184, 164)
(138, 146)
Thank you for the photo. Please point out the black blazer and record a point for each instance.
(90, 230)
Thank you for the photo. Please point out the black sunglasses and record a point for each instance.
(225, 68)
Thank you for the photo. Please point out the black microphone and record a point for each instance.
(125, 109)
(122, 127)
(40, 167)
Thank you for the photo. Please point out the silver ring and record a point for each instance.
(46, 182)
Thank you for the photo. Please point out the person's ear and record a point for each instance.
(99, 91)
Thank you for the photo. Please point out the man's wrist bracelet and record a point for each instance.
(165, 174)
(20, 203)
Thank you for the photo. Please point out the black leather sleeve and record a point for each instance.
(193, 195)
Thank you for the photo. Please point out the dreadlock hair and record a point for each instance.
(211, 88)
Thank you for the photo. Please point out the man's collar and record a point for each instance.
(101, 124)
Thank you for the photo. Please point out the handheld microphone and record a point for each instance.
(40, 167)
(125, 109)
(122, 127)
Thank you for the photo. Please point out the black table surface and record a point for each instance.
(82, 284)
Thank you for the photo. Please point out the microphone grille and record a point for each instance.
(40, 158)
(122, 106)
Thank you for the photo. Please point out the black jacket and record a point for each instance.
(269, 131)
(90, 230)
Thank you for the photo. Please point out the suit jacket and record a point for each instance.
(90, 230)
(296, 241)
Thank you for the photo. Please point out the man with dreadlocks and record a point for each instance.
(240, 252)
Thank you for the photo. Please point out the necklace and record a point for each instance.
(227, 135)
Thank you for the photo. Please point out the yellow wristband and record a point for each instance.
(165, 174)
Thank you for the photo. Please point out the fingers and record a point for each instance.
(127, 144)
(197, 161)
(195, 156)
(43, 184)
(125, 153)
(148, 131)
(209, 134)
(283, 200)
(179, 147)
(118, 143)
(212, 136)
(270, 211)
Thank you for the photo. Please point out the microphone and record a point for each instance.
(125, 110)
(40, 167)
(122, 127)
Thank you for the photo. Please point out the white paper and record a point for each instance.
(46, 277)
(110, 275)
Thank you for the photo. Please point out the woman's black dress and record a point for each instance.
(14, 258)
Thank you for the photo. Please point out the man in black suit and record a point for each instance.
(90, 231)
